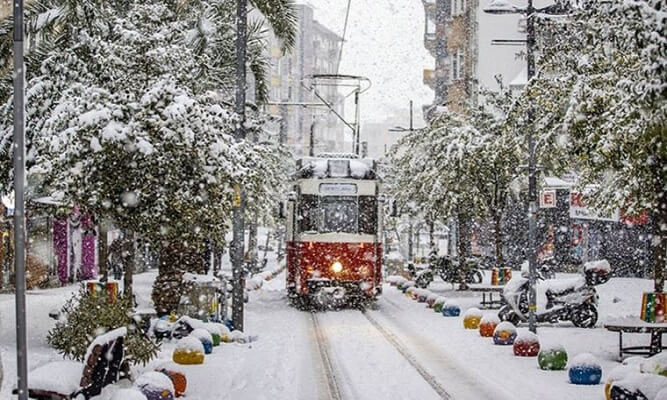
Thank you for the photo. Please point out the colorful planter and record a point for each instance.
(155, 386)
(653, 307)
(500, 276)
(504, 334)
(451, 309)
(585, 370)
(430, 300)
(488, 325)
(178, 380)
(526, 344)
(552, 359)
(205, 338)
(472, 318)
(438, 304)
(189, 350)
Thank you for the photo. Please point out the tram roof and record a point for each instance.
(335, 165)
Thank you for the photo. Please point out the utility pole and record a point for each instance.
(19, 202)
(503, 7)
(238, 239)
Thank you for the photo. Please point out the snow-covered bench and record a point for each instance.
(69, 380)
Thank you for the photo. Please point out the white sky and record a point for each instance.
(384, 42)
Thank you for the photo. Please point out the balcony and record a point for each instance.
(429, 78)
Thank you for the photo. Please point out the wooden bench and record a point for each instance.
(68, 380)
(489, 290)
(636, 325)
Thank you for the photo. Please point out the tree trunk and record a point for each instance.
(462, 242)
(102, 252)
(176, 258)
(660, 238)
(432, 251)
(498, 238)
(252, 244)
(128, 263)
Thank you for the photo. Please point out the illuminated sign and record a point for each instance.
(338, 189)
(548, 199)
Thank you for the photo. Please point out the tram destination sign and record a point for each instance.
(338, 189)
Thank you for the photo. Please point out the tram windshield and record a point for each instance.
(339, 214)
(350, 214)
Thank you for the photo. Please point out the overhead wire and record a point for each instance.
(342, 42)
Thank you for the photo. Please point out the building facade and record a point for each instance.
(450, 35)
(305, 127)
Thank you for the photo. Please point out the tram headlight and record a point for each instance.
(336, 267)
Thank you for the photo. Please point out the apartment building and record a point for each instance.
(302, 124)
(450, 35)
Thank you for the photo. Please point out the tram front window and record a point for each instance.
(339, 214)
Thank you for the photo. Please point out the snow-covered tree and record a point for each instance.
(603, 91)
(131, 131)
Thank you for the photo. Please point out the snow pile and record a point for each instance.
(128, 394)
(655, 365)
(199, 278)
(440, 300)
(552, 347)
(59, 377)
(473, 312)
(505, 326)
(190, 344)
(105, 338)
(648, 384)
(662, 395)
(491, 318)
(254, 283)
(212, 328)
(202, 334)
(584, 360)
(526, 337)
(154, 380)
(599, 265)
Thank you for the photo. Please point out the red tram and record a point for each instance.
(334, 225)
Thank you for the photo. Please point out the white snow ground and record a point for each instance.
(285, 363)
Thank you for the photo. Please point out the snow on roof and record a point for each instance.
(557, 183)
(520, 81)
(199, 278)
(58, 376)
(338, 165)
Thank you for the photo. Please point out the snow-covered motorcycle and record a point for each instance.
(567, 300)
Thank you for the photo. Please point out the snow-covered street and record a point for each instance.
(398, 349)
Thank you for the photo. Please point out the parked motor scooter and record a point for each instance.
(567, 300)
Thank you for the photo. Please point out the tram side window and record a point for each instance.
(368, 214)
(308, 213)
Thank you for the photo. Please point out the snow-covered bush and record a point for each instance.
(87, 316)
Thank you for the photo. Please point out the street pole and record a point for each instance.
(19, 202)
(532, 175)
(411, 127)
(238, 239)
(356, 122)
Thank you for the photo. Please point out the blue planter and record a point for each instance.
(208, 346)
(585, 374)
(451, 311)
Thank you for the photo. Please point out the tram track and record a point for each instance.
(335, 377)
(411, 359)
(327, 363)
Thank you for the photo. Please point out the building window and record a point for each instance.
(458, 7)
(457, 64)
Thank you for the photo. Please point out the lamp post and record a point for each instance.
(238, 230)
(19, 202)
(505, 7)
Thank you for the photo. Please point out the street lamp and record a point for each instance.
(505, 7)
